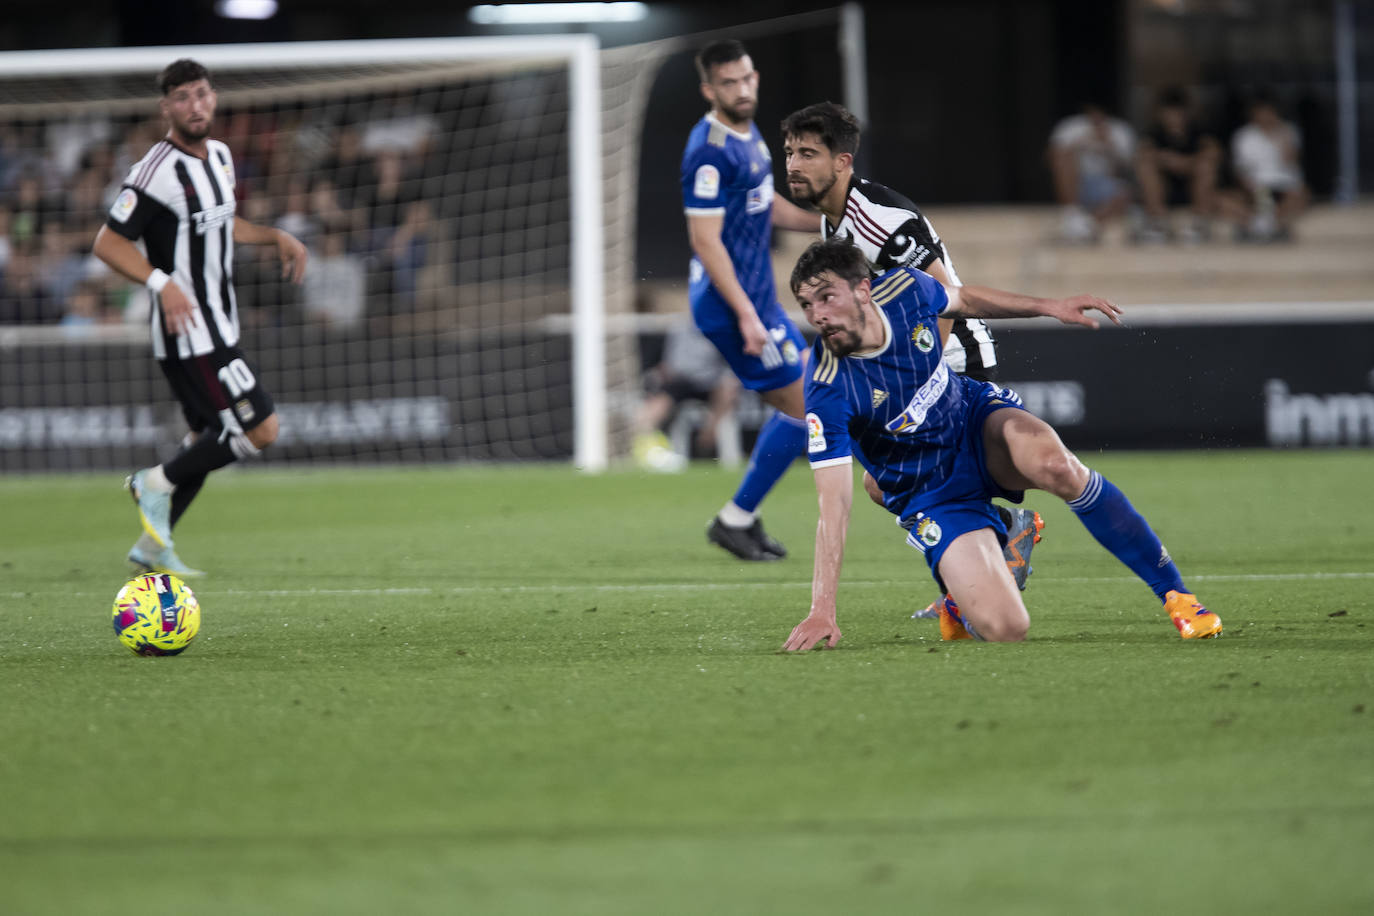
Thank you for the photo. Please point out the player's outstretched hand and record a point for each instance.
(293, 256)
(1074, 310)
(813, 632)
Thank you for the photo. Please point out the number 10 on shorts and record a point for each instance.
(237, 377)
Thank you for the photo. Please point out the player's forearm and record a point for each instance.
(986, 302)
(787, 215)
(122, 255)
(716, 260)
(835, 492)
(246, 233)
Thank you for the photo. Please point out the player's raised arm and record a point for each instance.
(985, 302)
(835, 491)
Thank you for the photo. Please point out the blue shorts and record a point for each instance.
(935, 526)
(781, 362)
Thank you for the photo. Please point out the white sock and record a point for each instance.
(732, 516)
(156, 480)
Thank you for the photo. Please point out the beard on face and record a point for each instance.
(193, 132)
(810, 192)
(846, 341)
(740, 111)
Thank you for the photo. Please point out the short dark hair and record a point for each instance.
(717, 53)
(1173, 97)
(179, 73)
(834, 124)
(837, 255)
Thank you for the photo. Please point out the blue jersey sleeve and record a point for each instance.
(827, 415)
(707, 172)
(930, 292)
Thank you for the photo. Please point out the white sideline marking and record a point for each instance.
(682, 586)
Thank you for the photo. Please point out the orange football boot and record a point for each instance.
(951, 624)
(1192, 619)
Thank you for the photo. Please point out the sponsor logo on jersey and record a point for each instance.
(707, 185)
(213, 217)
(925, 397)
(878, 397)
(922, 337)
(761, 197)
(815, 434)
(928, 532)
(124, 205)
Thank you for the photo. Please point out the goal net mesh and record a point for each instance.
(434, 198)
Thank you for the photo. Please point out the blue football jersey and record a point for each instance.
(900, 410)
(730, 173)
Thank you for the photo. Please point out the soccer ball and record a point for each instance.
(156, 614)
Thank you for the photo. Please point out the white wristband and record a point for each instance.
(156, 280)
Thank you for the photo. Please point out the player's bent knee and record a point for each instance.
(1061, 473)
(265, 433)
(1010, 626)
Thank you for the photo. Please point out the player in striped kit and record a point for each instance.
(179, 202)
(942, 445)
(820, 142)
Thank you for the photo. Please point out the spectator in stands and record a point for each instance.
(61, 258)
(691, 369)
(335, 289)
(85, 307)
(30, 209)
(401, 223)
(264, 297)
(1177, 166)
(1090, 156)
(347, 169)
(296, 217)
(23, 297)
(1265, 155)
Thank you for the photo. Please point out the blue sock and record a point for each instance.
(1109, 516)
(780, 442)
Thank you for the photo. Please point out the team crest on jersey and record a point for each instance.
(922, 337)
(124, 205)
(228, 173)
(815, 433)
(928, 532)
(761, 197)
(878, 397)
(707, 185)
(789, 353)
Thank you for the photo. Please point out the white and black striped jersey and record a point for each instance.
(892, 233)
(182, 207)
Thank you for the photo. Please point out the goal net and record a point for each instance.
(449, 192)
(470, 206)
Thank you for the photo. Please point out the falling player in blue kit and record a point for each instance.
(727, 190)
(940, 446)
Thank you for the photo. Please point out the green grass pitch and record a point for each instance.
(514, 690)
